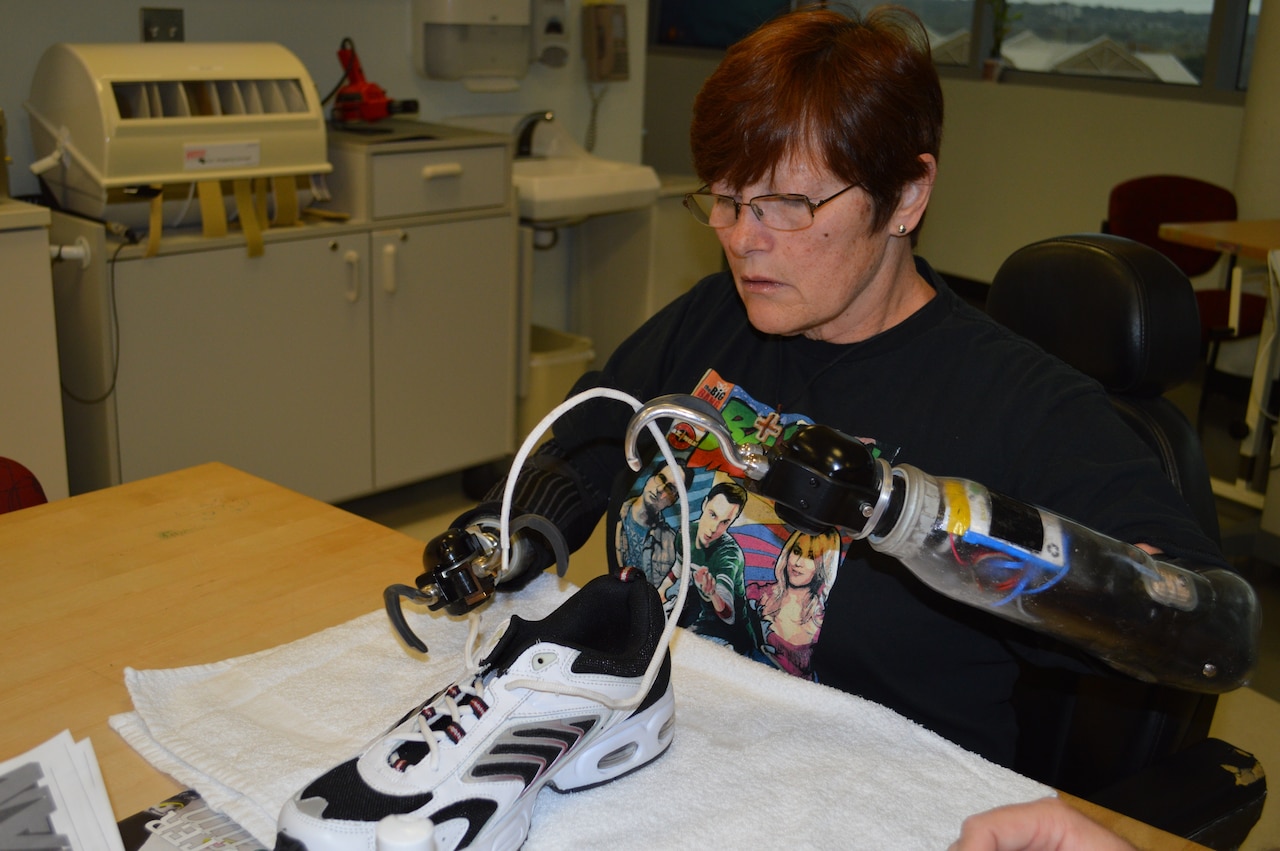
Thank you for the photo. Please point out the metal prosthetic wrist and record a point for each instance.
(463, 566)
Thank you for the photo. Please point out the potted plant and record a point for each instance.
(1002, 19)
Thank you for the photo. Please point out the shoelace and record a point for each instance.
(458, 698)
(452, 701)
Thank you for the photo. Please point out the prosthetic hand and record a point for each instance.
(1152, 619)
(482, 550)
(463, 565)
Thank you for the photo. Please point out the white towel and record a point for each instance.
(758, 756)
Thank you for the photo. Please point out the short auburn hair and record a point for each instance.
(856, 93)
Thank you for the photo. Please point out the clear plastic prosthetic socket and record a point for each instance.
(1151, 619)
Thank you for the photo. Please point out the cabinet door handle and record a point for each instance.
(431, 172)
(389, 267)
(352, 259)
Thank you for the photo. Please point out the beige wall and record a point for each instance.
(1019, 162)
(1258, 171)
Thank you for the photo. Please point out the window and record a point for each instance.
(1245, 44)
(950, 25)
(1178, 45)
(1151, 41)
(710, 23)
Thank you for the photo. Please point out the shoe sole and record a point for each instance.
(631, 745)
(628, 747)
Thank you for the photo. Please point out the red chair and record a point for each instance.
(1138, 207)
(19, 487)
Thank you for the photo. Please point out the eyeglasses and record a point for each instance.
(779, 212)
(666, 487)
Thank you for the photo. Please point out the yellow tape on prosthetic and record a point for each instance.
(958, 514)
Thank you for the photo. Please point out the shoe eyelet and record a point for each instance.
(542, 660)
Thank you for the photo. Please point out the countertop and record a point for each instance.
(15, 215)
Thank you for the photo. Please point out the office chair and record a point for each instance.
(1136, 209)
(19, 487)
(1125, 315)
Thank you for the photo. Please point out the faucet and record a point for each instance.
(524, 131)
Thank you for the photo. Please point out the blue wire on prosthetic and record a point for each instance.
(1020, 559)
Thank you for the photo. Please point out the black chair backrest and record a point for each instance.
(1123, 313)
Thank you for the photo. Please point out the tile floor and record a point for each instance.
(1248, 718)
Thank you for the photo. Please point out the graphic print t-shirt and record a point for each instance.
(757, 584)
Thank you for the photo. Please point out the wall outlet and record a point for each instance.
(162, 25)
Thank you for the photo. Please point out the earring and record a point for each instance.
(902, 229)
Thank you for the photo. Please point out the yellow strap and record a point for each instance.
(260, 201)
(213, 213)
(157, 222)
(248, 216)
(286, 191)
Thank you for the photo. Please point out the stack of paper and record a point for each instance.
(184, 821)
(53, 796)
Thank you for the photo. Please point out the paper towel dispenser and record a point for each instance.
(483, 43)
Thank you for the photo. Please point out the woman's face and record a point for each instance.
(800, 567)
(834, 280)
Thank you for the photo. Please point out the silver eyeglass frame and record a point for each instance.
(700, 216)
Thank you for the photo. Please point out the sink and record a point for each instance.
(563, 181)
(574, 187)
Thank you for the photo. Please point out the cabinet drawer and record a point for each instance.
(417, 182)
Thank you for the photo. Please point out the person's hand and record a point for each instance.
(705, 582)
(1044, 825)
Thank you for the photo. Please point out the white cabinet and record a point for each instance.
(347, 358)
(262, 364)
(443, 295)
(30, 402)
(444, 347)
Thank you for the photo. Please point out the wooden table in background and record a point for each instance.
(1253, 239)
(189, 568)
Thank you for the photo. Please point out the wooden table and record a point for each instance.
(1253, 240)
(188, 568)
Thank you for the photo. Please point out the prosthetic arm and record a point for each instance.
(1151, 619)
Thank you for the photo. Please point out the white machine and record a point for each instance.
(133, 133)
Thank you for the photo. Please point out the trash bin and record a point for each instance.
(556, 361)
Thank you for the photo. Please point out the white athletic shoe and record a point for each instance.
(561, 701)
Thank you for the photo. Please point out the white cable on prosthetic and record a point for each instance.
(508, 496)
